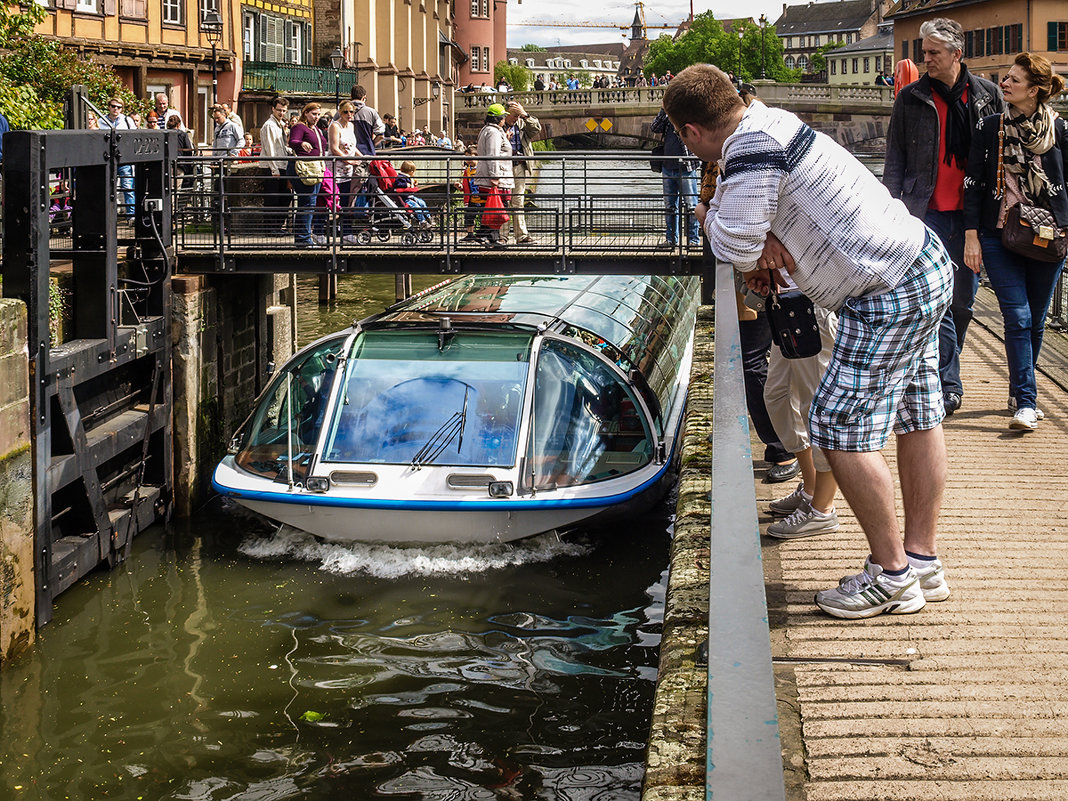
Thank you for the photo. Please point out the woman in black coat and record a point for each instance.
(1031, 143)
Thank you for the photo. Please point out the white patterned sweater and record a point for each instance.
(848, 236)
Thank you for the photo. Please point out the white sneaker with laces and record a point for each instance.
(804, 522)
(1012, 408)
(788, 504)
(871, 593)
(1025, 419)
(932, 578)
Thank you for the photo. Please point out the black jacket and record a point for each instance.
(982, 204)
(911, 166)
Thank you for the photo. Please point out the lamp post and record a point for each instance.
(212, 26)
(337, 58)
(763, 51)
(435, 93)
(740, 35)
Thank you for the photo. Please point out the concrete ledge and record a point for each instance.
(675, 761)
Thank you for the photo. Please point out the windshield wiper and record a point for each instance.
(440, 439)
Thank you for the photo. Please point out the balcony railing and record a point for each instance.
(301, 79)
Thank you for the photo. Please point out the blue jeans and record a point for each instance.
(302, 218)
(949, 225)
(680, 187)
(418, 207)
(1024, 288)
(126, 188)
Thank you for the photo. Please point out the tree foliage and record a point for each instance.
(517, 76)
(818, 61)
(707, 42)
(532, 48)
(36, 74)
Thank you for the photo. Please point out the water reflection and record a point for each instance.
(217, 668)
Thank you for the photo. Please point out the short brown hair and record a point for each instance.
(280, 101)
(703, 95)
(309, 107)
(408, 167)
(1040, 73)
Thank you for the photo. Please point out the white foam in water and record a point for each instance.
(394, 561)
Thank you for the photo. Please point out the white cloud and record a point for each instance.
(617, 13)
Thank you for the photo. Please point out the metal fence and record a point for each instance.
(573, 202)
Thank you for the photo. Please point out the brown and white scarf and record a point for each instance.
(1026, 137)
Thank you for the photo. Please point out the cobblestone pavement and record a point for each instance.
(968, 699)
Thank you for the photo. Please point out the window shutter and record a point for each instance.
(109, 8)
(261, 44)
(306, 38)
(1051, 36)
(287, 42)
(69, 5)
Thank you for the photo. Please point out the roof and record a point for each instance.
(904, 8)
(614, 49)
(845, 15)
(575, 55)
(883, 40)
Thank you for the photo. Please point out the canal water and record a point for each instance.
(229, 660)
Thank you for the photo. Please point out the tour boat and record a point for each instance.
(484, 409)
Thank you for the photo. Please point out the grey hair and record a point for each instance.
(947, 31)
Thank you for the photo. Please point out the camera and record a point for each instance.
(754, 301)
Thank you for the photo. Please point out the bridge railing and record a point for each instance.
(574, 203)
(623, 95)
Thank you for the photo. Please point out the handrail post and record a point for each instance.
(744, 758)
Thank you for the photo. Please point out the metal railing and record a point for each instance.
(302, 79)
(575, 203)
(744, 759)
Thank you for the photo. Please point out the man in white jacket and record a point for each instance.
(274, 147)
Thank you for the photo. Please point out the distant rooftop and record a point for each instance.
(846, 15)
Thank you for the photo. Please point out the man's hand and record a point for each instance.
(759, 281)
(776, 255)
(700, 213)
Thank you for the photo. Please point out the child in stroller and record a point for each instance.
(405, 184)
(383, 212)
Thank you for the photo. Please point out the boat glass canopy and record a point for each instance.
(416, 397)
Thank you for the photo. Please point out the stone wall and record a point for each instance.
(17, 588)
(226, 331)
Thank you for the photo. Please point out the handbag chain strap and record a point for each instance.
(1000, 190)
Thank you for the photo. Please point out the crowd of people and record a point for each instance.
(891, 270)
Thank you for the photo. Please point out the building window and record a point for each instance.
(272, 39)
(172, 12)
(802, 62)
(514, 62)
(905, 49)
(1057, 36)
(1014, 38)
(834, 67)
(979, 44)
(789, 43)
(584, 64)
(530, 63)
(856, 64)
(88, 6)
(789, 61)
(867, 65)
(878, 63)
(474, 8)
(475, 54)
(294, 42)
(485, 8)
(248, 37)
(917, 50)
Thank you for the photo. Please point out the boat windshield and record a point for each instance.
(407, 395)
(588, 425)
(289, 417)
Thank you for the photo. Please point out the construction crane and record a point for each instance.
(639, 20)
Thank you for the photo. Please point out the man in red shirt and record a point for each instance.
(926, 155)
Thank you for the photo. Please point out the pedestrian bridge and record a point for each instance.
(601, 212)
(621, 116)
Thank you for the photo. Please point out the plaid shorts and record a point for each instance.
(883, 373)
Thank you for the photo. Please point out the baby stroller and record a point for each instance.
(385, 213)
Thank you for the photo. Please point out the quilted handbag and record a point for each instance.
(1031, 231)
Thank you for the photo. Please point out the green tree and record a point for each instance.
(532, 48)
(36, 74)
(517, 76)
(707, 42)
(818, 61)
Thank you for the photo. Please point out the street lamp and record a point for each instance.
(435, 92)
(212, 26)
(763, 52)
(337, 58)
(740, 35)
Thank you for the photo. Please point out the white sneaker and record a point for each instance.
(932, 578)
(804, 522)
(1025, 419)
(1012, 408)
(788, 504)
(871, 593)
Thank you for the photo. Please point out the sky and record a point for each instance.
(618, 12)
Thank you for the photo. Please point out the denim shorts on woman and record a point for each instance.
(883, 373)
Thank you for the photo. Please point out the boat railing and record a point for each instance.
(744, 759)
(574, 203)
